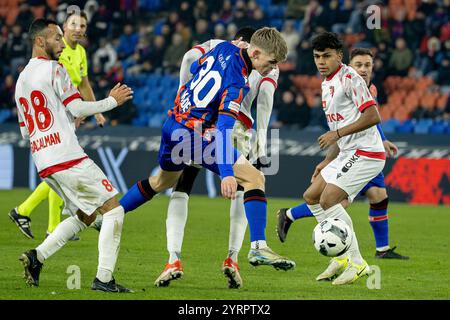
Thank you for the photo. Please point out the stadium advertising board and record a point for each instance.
(419, 175)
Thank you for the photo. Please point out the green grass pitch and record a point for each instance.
(422, 232)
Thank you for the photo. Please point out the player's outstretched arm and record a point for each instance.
(263, 111)
(228, 112)
(225, 125)
(118, 96)
(121, 93)
(88, 95)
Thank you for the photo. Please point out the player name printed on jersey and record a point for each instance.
(43, 91)
(185, 102)
(45, 141)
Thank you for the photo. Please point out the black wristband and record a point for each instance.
(337, 131)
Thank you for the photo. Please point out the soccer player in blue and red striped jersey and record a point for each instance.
(362, 61)
(199, 126)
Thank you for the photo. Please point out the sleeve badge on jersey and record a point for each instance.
(373, 91)
(332, 91)
(234, 106)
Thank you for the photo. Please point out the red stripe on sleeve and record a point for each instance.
(22, 124)
(270, 80)
(367, 104)
(71, 98)
(199, 48)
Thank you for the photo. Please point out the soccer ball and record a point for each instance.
(332, 237)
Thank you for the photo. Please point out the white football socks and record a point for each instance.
(177, 213)
(317, 211)
(59, 237)
(338, 211)
(289, 214)
(109, 243)
(313, 208)
(381, 249)
(238, 225)
(259, 244)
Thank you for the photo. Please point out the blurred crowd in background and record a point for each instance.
(142, 42)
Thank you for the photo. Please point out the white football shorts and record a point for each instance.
(82, 187)
(351, 172)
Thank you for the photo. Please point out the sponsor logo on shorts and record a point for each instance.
(350, 163)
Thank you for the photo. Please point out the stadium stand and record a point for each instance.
(141, 42)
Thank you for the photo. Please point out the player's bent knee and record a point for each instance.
(257, 181)
(186, 180)
(310, 198)
(250, 178)
(345, 203)
(117, 214)
(157, 184)
(326, 203)
(261, 180)
(86, 219)
(109, 205)
(163, 180)
(376, 194)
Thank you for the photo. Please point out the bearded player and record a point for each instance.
(74, 59)
(47, 103)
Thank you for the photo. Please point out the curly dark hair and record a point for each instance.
(327, 40)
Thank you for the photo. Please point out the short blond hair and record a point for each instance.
(271, 41)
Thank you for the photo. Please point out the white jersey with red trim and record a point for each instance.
(344, 96)
(207, 45)
(254, 80)
(43, 90)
